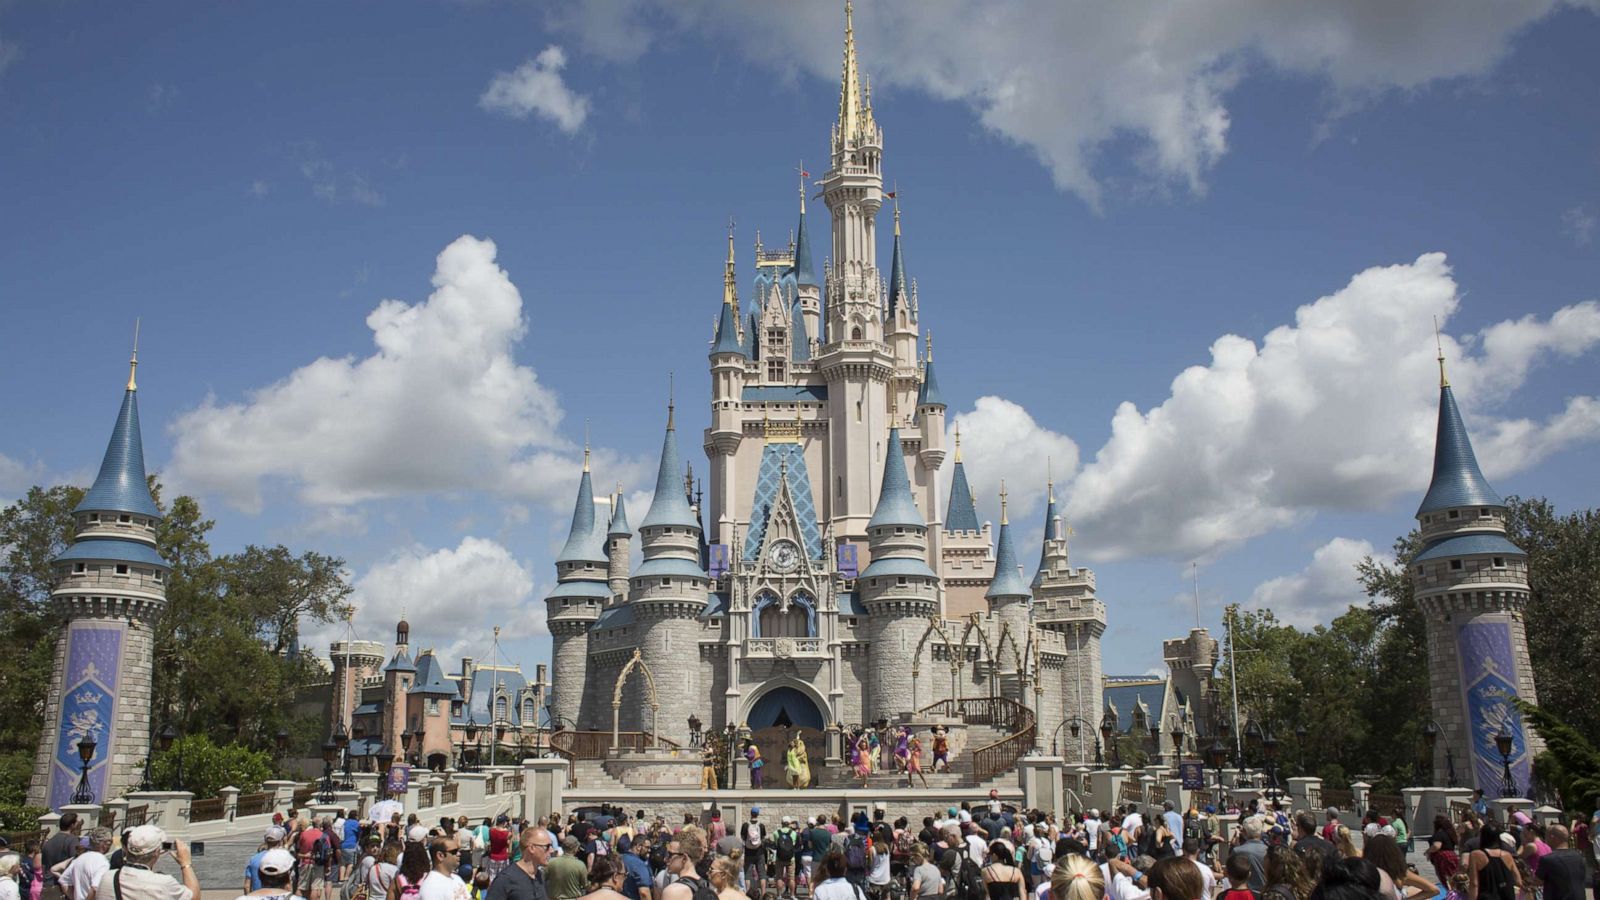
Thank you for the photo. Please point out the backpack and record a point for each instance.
(407, 889)
(785, 844)
(321, 850)
(1191, 833)
(969, 880)
(701, 888)
(754, 835)
(855, 853)
(901, 848)
(356, 887)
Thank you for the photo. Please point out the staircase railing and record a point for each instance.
(996, 712)
(575, 745)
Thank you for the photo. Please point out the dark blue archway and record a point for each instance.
(785, 706)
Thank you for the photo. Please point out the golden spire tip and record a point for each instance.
(1003, 519)
(1438, 342)
(958, 440)
(133, 361)
(669, 401)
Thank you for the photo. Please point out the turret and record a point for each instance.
(668, 593)
(398, 676)
(901, 305)
(581, 592)
(1008, 595)
(962, 513)
(807, 287)
(930, 413)
(111, 588)
(1472, 584)
(899, 590)
(619, 540)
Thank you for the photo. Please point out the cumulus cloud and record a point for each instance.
(1000, 439)
(16, 477)
(537, 88)
(1321, 591)
(1336, 411)
(440, 405)
(1579, 222)
(1064, 80)
(452, 598)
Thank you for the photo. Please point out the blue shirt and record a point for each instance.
(638, 875)
(1174, 823)
(252, 870)
(352, 830)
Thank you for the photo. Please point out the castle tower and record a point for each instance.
(930, 426)
(354, 662)
(582, 589)
(1064, 603)
(398, 677)
(807, 288)
(668, 592)
(899, 590)
(901, 306)
(1472, 584)
(728, 357)
(1009, 601)
(966, 548)
(855, 360)
(619, 537)
(110, 588)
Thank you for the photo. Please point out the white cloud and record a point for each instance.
(16, 477)
(1337, 411)
(536, 87)
(10, 52)
(1000, 439)
(452, 599)
(1321, 591)
(328, 182)
(1579, 224)
(1065, 80)
(259, 188)
(440, 405)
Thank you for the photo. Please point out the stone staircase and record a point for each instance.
(591, 774)
(959, 776)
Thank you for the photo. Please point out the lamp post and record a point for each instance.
(166, 737)
(341, 739)
(1108, 730)
(330, 752)
(385, 758)
(1177, 734)
(1252, 736)
(84, 794)
(1430, 739)
(1218, 753)
(1300, 746)
(1074, 725)
(695, 735)
(1269, 748)
(469, 736)
(730, 739)
(1504, 743)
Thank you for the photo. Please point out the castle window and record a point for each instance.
(858, 404)
(1499, 562)
(855, 333)
(775, 369)
(666, 582)
(1483, 514)
(433, 706)
(499, 709)
(94, 517)
(125, 519)
(529, 715)
(122, 569)
(1455, 564)
(79, 567)
(1454, 514)
(158, 575)
(455, 708)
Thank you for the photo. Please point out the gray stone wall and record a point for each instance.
(569, 658)
(890, 660)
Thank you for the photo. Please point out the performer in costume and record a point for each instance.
(796, 765)
(752, 755)
(902, 748)
(863, 759)
(708, 766)
(873, 749)
(941, 748)
(914, 762)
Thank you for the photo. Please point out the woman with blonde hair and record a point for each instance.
(1344, 843)
(725, 876)
(1077, 878)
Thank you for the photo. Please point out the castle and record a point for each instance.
(824, 579)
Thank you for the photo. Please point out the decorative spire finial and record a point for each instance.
(669, 401)
(586, 445)
(803, 174)
(1050, 477)
(1439, 343)
(133, 362)
(895, 196)
(958, 440)
(894, 411)
(730, 280)
(928, 340)
(1003, 519)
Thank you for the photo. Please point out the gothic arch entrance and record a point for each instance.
(776, 718)
(785, 707)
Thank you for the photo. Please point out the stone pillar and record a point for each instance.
(1503, 808)
(1178, 795)
(1359, 792)
(544, 785)
(1105, 785)
(230, 803)
(1305, 792)
(1042, 783)
(282, 793)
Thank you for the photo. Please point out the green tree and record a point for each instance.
(1563, 614)
(33, 531)
(1570, 764)
(208, 767)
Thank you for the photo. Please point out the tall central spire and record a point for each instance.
(850, 80)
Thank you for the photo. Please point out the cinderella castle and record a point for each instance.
(823, 578)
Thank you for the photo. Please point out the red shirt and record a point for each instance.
(499, 844)
(308, 842)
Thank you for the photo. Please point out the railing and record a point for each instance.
(1459, 810)
(1200, 799)
(516, 784)
(302, 797)
(207, 810)
(784, 647)
(1158, 794)
(997, 712)
(108, 819)
(254, 804)
(1131, 792)
(491, 785)
(575, 745)
(1337, 798)
(136, 816)
(1385, 804)
(425, 798)
(451, 792)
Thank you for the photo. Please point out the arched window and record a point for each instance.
(500, 708)
(855, 332)
(795, 618)
(527, 711)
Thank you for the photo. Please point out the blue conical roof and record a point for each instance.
(670, 505)
(750, 337)
(1049, 522)
(619, 518)
(928, 394)
(400, 663)
(799, 340)
(897, 276)
(585, 543)
(895, 506)
(1007, 580)
(960, 514)
(804, 274)
(727, 332)
(1457, 480)
(121, 486)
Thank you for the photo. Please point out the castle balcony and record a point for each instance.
(785, 648)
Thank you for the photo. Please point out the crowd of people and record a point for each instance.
(984, 851)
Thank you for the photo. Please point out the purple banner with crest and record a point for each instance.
(1489, 681)
(88, 709)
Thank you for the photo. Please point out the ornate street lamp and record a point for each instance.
(341, 739)
(1218, 754)
(1300, 745)
(166, 737)
(1504, 743)
(1177, 735)
(1430, 739)
(1108, 730)
(470, 736)
(1269, 746)
(84, 794)
(330, 752)
(385, 759)
(695, 735)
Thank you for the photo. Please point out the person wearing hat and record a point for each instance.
(271, 840)
(79, 877)
(273, 872)
(138, 878)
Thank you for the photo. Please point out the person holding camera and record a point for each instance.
(138, 878)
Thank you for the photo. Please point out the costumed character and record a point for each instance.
(902, 748)
(941, 748)
(914, 762)
(863, 759)
(796, 764)
(708, 766)
(752, 755)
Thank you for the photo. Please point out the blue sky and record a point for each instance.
(1095, 200)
